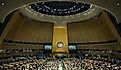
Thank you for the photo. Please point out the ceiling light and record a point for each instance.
(2, 4)
(118, 4)
(29, 6)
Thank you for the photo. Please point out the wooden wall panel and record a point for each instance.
(31, 31)
(89, 31)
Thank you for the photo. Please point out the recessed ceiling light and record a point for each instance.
(29, 6)
(2, 4)
(118, 4)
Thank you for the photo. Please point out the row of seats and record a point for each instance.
(82, 63)
(20, 42)
(18, 50)
(102, 51)
(101, 43)
(86, 63)
(104, 44)
(24, 65)
(16, 58)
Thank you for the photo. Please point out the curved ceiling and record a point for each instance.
(60, 8)
(112, 6)
(56, 17)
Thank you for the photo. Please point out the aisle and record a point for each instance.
(60, 66)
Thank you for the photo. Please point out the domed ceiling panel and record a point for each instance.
(60, 11)
(112, 6)
(60, 8)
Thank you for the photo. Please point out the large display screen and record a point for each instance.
(72, 47)
(47, 47)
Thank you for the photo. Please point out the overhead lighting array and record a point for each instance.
(60, 8)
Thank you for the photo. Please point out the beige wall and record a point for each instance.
(13, 21)
(89, 31)
(28, 30)
(104, 18)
